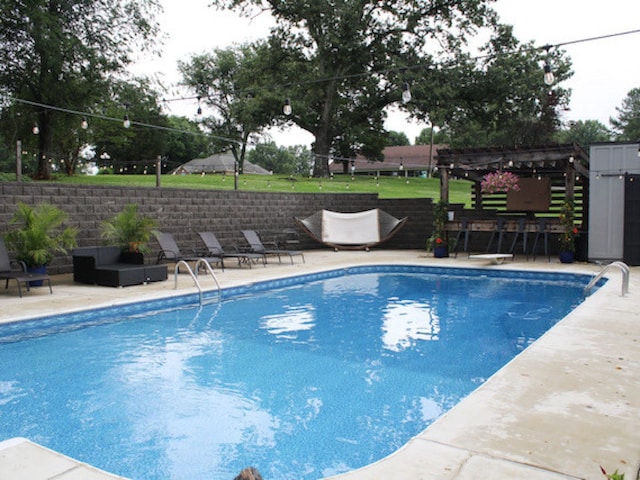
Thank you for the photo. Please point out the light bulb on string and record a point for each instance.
(126, 123)
(84, 124)
(287, 107)
(35, 130)
(548, 73)
(406, 93)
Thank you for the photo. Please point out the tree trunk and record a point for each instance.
(324, 139)
(321, 155)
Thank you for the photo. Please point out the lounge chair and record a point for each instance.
(215, 248)
(20, 275)
(351, 231)
(256, 245)
(171, 252)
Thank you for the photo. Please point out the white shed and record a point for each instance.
(614, 202)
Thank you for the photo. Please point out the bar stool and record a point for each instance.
(521, 234)
(498, 230)
(544, 232)
(464, 230)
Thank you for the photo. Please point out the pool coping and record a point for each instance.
(559, 410)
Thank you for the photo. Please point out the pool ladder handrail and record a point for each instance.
(194, 276)
(624, 268)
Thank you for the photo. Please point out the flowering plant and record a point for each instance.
(499, 182)
(569, 231)
(439, 237)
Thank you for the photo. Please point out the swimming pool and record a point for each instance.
(266, 377)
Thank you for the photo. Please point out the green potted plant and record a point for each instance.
(438, 242)
(37, 233)
(131, 231)
(569, 233)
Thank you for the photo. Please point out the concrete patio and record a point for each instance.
(565, 406)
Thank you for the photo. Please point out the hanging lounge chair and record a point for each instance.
(351, 231)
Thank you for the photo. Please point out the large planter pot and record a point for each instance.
(135, 258)
(39, 270)
(566, 257)
(440, 252)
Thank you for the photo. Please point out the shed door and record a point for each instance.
(631, 249)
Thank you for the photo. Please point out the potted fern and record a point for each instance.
(37, 233)
(131, 231)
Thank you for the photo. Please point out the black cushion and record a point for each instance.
(106, 266)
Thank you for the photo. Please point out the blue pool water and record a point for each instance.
(301, 378)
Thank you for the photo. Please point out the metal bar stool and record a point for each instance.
(521, 234)
(499, 231)
(464, 230)
(544, 232)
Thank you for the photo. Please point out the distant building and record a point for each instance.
(409, 160)
(223, 163)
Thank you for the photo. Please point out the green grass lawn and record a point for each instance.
(386, 187)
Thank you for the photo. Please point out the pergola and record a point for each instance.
(563, 165)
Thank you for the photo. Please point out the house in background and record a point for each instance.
(406, 160)
(222, 163)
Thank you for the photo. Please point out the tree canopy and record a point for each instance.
(627, 124)
(496, 99)
(584, 133)
(61, 53)
(340, 63)
(226, 81)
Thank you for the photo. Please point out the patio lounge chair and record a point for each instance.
(215, 248)
(171, 252)
(21, 276)
(351, 231)
(257, 246)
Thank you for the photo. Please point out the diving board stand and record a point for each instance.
(493, 258)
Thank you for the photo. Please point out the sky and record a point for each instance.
(604, 70)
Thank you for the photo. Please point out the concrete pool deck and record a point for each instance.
(565, 406)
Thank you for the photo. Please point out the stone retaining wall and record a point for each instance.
(184, 212)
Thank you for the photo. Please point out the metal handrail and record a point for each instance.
(194, 276)
(624, 268)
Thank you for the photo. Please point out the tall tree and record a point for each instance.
(226, 81)
(340, 63)
(186, 141)
(395, 139)
(627, 124)
(60, 53)
(134, 148)
(584, 133)
(497, 99)
(294, 160)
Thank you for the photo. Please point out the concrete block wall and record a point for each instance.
(184, 212)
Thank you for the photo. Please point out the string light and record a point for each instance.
(287, 106)
(84, 124)
(406, 93)
(548, 75)
(35, 130)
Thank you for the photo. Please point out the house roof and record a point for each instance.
(218, 163)
(411, 157)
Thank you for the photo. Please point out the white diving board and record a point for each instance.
(494, 258)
